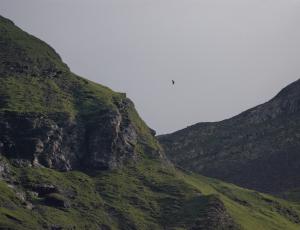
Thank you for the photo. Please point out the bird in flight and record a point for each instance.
(173, 82)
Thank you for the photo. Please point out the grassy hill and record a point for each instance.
(36, 85)
(76, 155)
(149, 195)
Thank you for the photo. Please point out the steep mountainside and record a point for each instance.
(50, 116)
(258, 149)
(76, 155)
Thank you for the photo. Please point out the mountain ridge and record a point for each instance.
(261, 141)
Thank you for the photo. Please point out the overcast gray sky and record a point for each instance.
(225, 55)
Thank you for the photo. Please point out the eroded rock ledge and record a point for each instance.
(57, 141)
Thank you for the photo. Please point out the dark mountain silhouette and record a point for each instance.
(258, 149)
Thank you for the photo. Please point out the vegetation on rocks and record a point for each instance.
(147, 195)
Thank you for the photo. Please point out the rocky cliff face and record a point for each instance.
(258, 149)
(53, 118)
(59, 142)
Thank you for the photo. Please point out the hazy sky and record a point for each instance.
(225, 55)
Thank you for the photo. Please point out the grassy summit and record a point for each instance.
(34, 78)
(20, 50)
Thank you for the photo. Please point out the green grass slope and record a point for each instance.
(149, 195)
(49, 87)
(24, 53)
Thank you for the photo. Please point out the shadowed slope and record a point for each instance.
(258, 149)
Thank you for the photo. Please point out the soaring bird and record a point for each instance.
(173, 82)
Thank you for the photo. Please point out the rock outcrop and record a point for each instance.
(215, 217)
